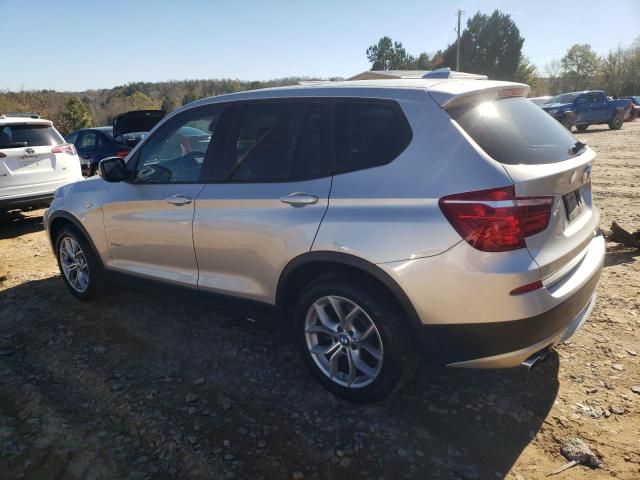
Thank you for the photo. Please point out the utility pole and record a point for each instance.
(459, 13)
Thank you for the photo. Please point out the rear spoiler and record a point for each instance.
(451, 94)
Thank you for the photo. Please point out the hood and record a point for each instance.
(136, 121)
(548, 106)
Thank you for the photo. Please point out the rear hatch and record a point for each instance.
(544, 161)
(26, 156)
(130, 127)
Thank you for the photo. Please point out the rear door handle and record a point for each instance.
(179, 199)
(299, 199)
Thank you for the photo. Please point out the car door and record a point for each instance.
(148, 219)
(581, 108)
(597, 107)
(266, 197)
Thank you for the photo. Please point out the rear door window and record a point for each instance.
(276, 141)
(368, 133)
(515, 131)
(16, 136)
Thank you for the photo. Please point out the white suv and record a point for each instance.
(34, 161)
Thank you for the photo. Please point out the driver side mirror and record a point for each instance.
(113, 169)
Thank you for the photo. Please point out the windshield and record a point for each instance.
(515, 131)
(564, 98)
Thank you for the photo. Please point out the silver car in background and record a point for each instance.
(380, 219)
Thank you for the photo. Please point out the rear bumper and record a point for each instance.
(507, 344)
(26, 200)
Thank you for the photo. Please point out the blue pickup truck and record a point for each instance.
(587, 108)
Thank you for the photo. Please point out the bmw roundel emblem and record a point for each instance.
(30, 151)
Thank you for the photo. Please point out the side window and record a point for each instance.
(263, 146)
(598, 98)
(88, 140)
(368, 134)
(176, 152)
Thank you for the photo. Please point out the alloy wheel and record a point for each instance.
(343, 341)
(74, 264)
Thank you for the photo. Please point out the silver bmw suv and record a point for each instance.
(380, 219)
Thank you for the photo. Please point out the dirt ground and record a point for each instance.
(138, 386)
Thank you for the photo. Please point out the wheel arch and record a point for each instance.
(310, 265)
(61, 218)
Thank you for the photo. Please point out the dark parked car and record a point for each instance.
(588, 108)
(94, 144)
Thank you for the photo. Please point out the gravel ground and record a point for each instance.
(137, 386)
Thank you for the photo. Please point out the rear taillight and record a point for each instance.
(65, 148)
(122, 153)
(496, 220)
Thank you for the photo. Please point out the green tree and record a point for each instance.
(389, 55)
(579, 66)
(526, 72)
(491, 45)
(76, 114)
(423, 62)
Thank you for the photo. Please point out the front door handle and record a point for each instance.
(179, 200)
(299, 199)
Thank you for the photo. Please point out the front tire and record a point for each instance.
(616, 122)
(79, 265)
(566, 123)
(354, 338)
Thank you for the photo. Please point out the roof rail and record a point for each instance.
(20, 114)
(446, 72)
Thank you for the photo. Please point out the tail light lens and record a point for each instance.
(496, 220)
(122, 153)
(68, 148)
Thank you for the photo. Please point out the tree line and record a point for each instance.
(492, 45)
(72, 110)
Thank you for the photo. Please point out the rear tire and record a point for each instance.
(582, 128)
(617, 121)
(354, 338)
(79, 265)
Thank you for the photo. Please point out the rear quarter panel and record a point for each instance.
(391, 212)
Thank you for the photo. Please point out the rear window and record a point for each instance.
(16, 136)
(515, 131)
(368, 134)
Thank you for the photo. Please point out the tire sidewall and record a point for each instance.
(92, 262)
(397, 347)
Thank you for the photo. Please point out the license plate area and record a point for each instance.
(573, 204)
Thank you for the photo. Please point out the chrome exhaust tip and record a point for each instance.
(535, 358)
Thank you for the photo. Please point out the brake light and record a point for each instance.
(68, 148)
(122, 153)
(496, 220)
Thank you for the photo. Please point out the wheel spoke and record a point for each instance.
(371, 350)
(74, 264)
(352, 368)
(368, 331)
(348, 320)
(320, 329)
(362, 365)
(333, 362)
(322, 316)
(325, 349)
(335, 304)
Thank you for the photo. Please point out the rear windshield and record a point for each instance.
(15, 136)
(515, 131)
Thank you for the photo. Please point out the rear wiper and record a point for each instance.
(14, 145)
(577, 148)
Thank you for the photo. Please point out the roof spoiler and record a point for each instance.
(446, 72)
